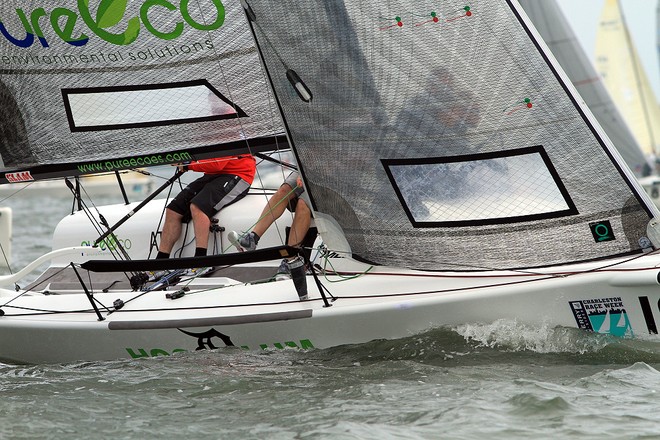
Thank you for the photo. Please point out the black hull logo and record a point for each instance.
(204, 339)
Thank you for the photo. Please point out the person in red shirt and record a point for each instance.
(225, 181)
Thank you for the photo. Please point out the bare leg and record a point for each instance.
(301, 221)
(201, 223)
(171, 231)
(274, 209)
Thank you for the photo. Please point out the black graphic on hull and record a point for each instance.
(204, 339)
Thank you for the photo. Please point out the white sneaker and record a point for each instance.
(283, 272)
(242, 243)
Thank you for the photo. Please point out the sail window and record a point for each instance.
(505, 187)
(108, 108)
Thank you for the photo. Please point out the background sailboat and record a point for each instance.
(619, 64)
(562, 41)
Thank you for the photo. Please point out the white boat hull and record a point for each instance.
(380, 304)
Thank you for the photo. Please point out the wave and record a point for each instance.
(503, 341)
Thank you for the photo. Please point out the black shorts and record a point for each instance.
(210, 193)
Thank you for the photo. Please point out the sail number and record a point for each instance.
(648, 314)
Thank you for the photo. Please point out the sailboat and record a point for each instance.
(456, 176)
(619, 65)
(555, 30)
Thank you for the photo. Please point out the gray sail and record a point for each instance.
(560, 38)
(466, 149)
(102, 85)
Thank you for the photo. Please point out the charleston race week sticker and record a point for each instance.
(602, 315)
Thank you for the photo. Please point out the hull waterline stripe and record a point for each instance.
(205, 322)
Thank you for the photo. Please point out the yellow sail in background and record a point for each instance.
(618, 63)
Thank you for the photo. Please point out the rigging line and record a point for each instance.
(229, 91)
(88, 294)
(517, 272)
(564, 274)
(4, 255)
(275, 110)
(137, 208)
(16, 192)
(96, 226)
(268, 158)
(269, 211)
(184, 244)
(24, 292)
(87, 211)
(193, 292)
(43, 312)
(172, 309)
(319, 285)
(120, 247)
(277, 54)
(162, 213)
(326, 260)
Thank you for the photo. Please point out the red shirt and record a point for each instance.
(243, 166)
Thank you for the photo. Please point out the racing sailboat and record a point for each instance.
(560, 38)
(456, 176)
(624, 76)
(550, 22)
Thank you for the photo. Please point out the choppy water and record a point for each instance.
(506, 382)
(495, 381)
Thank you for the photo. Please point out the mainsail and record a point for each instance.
(462, 147)
(93, 86)
(618, 62)
(560, 38)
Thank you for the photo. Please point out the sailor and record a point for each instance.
(225, 181)
(292, 196)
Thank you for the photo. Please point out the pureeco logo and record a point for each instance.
(65, 23)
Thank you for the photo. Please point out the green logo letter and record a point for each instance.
(110, 13)
(144, 11)
(66, 34)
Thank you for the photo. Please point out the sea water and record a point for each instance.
(500, 380)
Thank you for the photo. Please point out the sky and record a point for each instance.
(640, 15)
